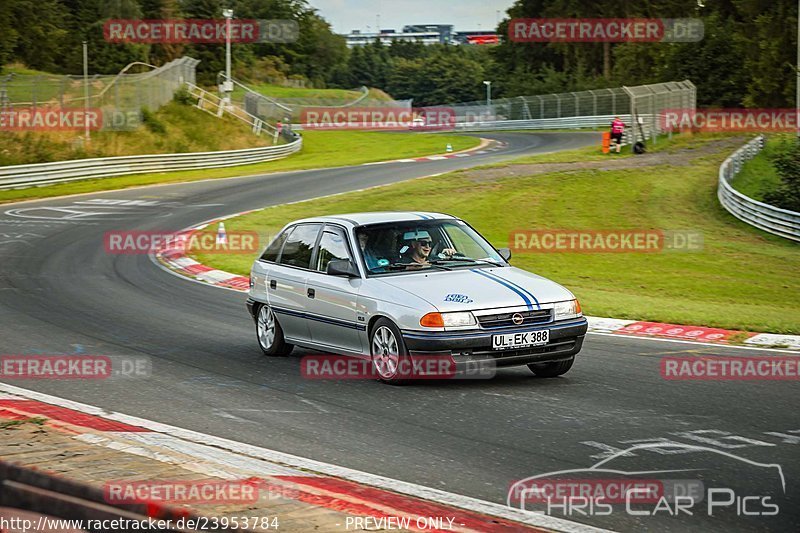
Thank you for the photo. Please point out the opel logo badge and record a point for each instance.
(517, 318)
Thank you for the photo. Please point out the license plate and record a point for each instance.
(512, 341)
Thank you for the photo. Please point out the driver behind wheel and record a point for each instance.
(420, 247)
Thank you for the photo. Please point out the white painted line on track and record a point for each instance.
(403, 487)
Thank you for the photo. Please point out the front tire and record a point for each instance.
(552, 370)
(388, 352)
(269, 333)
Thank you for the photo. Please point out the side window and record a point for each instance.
(332, 245)
(274, 249)
(299, 245)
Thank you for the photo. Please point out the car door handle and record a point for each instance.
(311, 293)
(273, 284)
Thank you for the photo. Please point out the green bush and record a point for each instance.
(182, 96)
(786, 160)
(152, 122)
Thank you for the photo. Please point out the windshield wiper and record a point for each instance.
(399, 266)
(468, 260)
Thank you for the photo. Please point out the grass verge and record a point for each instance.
(742, 278)
(321, 149)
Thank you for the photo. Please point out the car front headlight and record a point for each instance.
(567, 310)
(448, 320)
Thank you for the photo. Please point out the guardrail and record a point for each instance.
(775, 220)
(20, 176)
(599, 121)
(594, 121)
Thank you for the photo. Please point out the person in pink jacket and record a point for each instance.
(617, 129)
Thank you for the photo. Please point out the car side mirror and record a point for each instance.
(342, 267)
(505, 253)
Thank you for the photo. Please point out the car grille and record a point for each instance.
(505, 320)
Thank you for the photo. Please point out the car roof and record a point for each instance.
(378, 217)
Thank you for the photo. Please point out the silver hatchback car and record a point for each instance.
(394, 286)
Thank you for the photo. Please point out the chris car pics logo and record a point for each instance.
(606, 488)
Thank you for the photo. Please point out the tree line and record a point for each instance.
(47, 35)
(746, 57)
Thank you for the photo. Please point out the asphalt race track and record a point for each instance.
(60, 293)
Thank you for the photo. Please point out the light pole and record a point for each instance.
(489, 92)
(227, 85)
(86, 133)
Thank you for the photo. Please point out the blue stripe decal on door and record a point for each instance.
(507, 285)
(523, 289)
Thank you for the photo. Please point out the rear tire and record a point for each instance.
(269, 333)
(388, 353)
(552, 370)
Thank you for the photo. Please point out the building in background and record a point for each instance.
(476, 37)
(425, 33)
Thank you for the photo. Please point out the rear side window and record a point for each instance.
(274, 249)
(299, 246)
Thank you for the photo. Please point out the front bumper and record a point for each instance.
(475, 346)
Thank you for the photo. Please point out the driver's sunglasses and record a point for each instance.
(426, 243)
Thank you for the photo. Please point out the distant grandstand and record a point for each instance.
(424, 33)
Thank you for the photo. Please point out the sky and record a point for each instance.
(347, 15)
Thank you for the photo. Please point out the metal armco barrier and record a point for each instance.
(595, 121)
(781, 222)
(20, 176)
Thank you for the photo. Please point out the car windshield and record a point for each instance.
(411, 246)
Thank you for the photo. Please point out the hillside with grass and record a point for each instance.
(175, 128)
